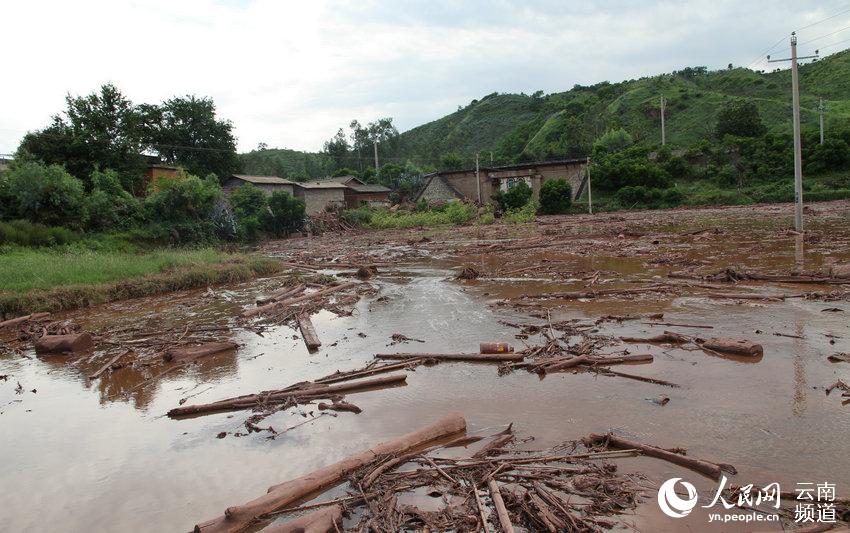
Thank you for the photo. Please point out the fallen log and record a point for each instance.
(368, 371)
(108, 365)
(190, 353)
(339, 405)
(710, 469)
(588, 360)
(73, 342)
(475, 357)
(282, 294)
(311, 339)
(292, 301)
(321, 521)
(12, 322)
(302, 392)
(499, 504)
(656, 381)
(495, 347)
(745, 296)
(595, 294)
(666, 337)
(735, 346)
(563, 365)
(239, 517)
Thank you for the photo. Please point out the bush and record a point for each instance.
(525, 213)
(612, 141)
(515, 197)
(248, 201)
(630, 167)
(451, 213)
(285, 214)
(109, 206)
(25, 233)
(647, 197)
(45, 194)
(739, 118)
(833, 154)
(359, 217)
(182, 210)
(556, 196)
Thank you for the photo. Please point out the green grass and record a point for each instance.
(27, 269)
(40, 280)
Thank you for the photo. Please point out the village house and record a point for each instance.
(359, 193)
(451, 185)
(318, 196)
(267, 184)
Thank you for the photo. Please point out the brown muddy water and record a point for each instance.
(80, 456)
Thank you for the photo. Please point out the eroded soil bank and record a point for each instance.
(87, 453)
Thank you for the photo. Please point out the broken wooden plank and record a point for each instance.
(108, 365)
(734, 346)
(282, 294)
(12, 322)
(308, 332)
(184, 354)
(475, 357)
(237, 518)
(367, 371)
(320, 521)
(499, 504)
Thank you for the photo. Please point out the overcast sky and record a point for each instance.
(291, 73)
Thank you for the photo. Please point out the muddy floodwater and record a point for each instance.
(99, 454)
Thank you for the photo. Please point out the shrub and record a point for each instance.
(285, 214)
(361, 216)
(525, 213)
(25, 233)
(514, 198)
(612, 141)
(46, 194)
(487, 218)
(739, 118)
(182, 210)
(833, 154)
(109, 206)
(556, 196)
(248, 201)
(451, 213)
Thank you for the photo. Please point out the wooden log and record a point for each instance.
(666, 337)
(710, 469)
(736, 346)
(190, 353)
(322, 521)
(368, 371)
(12, 322)
(499, 504)
(495, 347)
(305, 392)
(282, 294)
(239, 517)
(300, 299)
(565, 364)
(109, 364)
(479, 357)
(595, 294)
(339, 405)
(588, 360)
(311, 338)
(745, 296)
(73, 342)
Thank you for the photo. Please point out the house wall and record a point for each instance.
(437, 191)
(316, 200)
(372, 199)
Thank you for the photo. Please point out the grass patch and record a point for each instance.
(50, 281)
(453, 213)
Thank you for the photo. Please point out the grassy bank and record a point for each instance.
(44, 280)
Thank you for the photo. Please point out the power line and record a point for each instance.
(824, 20)
(826, 35)
(834, 44)
(780, 41)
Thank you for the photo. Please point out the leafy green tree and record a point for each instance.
(556, 196)
(184, 131)
(739, 118)
(285, 214)
(833, 154)
(515, 197)
(182, 209)
(249, 201)
(337, 148)
(46, 194)
(101, 130)
(612, 141)
(451, 161)
(344, 171)
(108, 206)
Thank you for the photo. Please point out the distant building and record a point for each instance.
(451, 185)
(318, 196)
(359, 193)
(268, 184)
(156, 172)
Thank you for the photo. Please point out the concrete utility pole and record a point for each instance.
(477, 178)
(663, 133)
(375, 144)
(798, 158)
(589, 193)
(820, 112)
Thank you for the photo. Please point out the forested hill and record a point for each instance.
(534, 127)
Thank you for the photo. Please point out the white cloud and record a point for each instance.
(291, 73)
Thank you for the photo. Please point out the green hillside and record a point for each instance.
(292, 164)
(565, 124)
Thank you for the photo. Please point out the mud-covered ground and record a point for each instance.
(98, 454)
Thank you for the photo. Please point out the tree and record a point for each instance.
(101, 130)
(248, 201)
(285, 214)
(612, 141)
(451, 161)
(45, 194)
(337, 148)
(109, 206)
(556, 196)
(515, 197)
(184, 131)
(739, 118)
